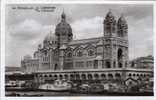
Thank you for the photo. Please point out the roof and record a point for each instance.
(130, 79)
(85, 41)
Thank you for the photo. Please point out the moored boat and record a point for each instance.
(96, 88)
(57, 86)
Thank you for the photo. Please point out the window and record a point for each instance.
(68, 65)
(89, 63)
(45, 52)
(69, 55)
(79, 64)
(55, 68)
(108, 65)
(132, 65)
(120, 65)
(95, 64)
(125, 64)
(79, 53)
(114, 64)
(90, 52)
(120, 54)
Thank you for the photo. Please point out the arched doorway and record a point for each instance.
(60, 76)
(71, 77)
(117, 76)
(96, 76)
(77, 77)
(55, 77)
(90, 77)
(83, 77)
(110, 77)
(103, 76)
(66, 76)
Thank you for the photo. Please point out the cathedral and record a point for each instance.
(105, 57)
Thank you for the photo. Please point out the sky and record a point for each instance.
(26, 27)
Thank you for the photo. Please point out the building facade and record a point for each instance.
(103, 58)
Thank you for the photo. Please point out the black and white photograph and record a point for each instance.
(59, 50)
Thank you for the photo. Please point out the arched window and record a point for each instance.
(120, 65)
(90, 76)
(110, 76)
(72, 77)
(90, 52)
(108, 65)
(55, 67)
(50, 75)
(79, 53)
(114, 64)
(66, 76)
(103, 76)
(120, 57)
(83, 76)
(77, 76)
(60, 76)
(40, 75)
(46, 53)
(55, 77)
(118, 76)
(69, 54)
(96, 76)
(129, 75)
(125, 64)
(120, 54)
(45, 75)
(132, 64)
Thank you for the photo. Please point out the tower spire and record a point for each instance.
(63, 16)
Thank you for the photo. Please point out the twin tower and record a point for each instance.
(112, 28)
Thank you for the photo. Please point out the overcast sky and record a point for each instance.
(25, 29)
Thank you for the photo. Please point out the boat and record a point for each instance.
(75, 88)
(84, 88)
(57, 86)
(96, 88)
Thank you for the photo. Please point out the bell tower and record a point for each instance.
(122, 49)
(122, 27)
(109, 25)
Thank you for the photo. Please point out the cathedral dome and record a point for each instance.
(63, 28)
